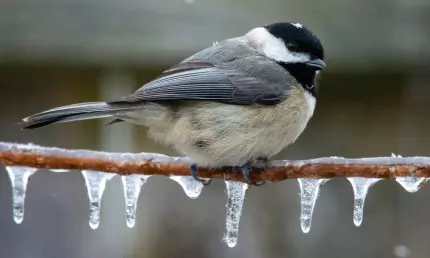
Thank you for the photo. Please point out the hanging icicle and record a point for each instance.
(132, 185)
(95, 182)
(360, 186)
(309, 190)
(235, 199)
(191, 187)
(19, 179)
(411, 183)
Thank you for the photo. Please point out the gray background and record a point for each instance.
(373, 100)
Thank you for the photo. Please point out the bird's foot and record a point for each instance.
(246, 169)
(195, 175)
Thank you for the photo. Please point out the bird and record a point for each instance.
(233, 104)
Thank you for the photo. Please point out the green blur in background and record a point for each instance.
(373, 100)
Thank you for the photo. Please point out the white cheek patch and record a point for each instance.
(274, 48)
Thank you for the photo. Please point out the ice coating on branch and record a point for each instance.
(19, 178)
(235, 198)
(393, 160)
(89, 154)
(309, 190)
(132, 185)
(159, 158)
(411, 183)
(192, 188)
(396, 156)
(95, 182)
(360, 186)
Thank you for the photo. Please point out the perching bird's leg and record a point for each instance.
(245, 173)
(246, 169)
(195, 175)
(262, 162)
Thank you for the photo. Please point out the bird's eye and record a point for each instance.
(292, 46)
(310, 86)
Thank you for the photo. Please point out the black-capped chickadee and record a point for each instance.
(237, 102)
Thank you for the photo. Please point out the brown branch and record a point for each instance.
(12, 154)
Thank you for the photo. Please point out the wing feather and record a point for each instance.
(195, 80)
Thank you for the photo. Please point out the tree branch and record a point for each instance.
(12, 154)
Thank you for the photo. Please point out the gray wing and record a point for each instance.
(195, 80)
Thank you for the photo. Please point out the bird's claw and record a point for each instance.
(195, 175)
(246, 175)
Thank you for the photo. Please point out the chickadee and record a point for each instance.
(237, 102)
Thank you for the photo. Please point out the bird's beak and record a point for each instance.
(316, 63)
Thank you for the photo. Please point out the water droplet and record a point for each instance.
(309, 190)
(360, 186)
(191, 187)
(132, 185)
(95, 182)
(411, 183)
(19, 178)
(235, 199)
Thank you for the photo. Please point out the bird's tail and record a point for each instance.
(75, 112)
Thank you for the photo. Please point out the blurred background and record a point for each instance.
(373, 100)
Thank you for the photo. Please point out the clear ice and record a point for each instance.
(95, 182)
(19, 178)
(132, 185)
(309, 190)
(192, 188)
(360, 186)
(411, 183)
(235, 198)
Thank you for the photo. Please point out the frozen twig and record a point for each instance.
(30, 155)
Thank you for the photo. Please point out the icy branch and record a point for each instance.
(30, 155)
(22, 160)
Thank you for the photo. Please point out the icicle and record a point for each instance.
(19, 179)
(191, 187)
(411, 183)
(96, 184)
(309, 189)
(132, 185)
(360, 186)
(235, 198)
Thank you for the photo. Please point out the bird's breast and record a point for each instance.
(215, 134)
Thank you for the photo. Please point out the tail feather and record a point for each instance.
(75, 112)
